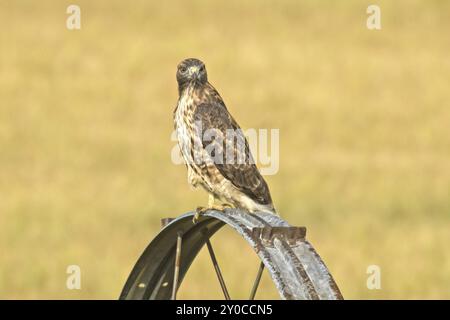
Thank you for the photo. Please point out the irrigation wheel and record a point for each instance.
(296, 269)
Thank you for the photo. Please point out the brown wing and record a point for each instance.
(224, 140)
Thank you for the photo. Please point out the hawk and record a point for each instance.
(213, 146)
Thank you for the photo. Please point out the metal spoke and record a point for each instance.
(177, 266)
(257, 280)
(216, 267)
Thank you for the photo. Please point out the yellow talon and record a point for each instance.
(198, 213)
(211, 206)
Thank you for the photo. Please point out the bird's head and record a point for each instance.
(191, 71)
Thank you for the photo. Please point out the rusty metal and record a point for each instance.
(294, 266)
(291, 234)
(217, 269)
(257, 280)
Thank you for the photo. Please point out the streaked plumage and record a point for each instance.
(201, 110)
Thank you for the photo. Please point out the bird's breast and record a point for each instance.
(184, 124)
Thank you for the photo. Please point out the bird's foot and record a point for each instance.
(198, 213)
(223, 206)
(201, 210)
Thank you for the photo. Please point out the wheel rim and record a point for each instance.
(296, 269)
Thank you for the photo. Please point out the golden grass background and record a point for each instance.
(86, 118)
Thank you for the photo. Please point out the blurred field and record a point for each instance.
(86, 118)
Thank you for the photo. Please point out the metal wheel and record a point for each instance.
(294, 266)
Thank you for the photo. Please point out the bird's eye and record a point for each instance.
(202, 68)
(183, 69)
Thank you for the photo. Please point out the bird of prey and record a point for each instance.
(213, 146)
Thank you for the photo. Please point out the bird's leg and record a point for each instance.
(222, 206)
(211, 205)
(201, 210)
(218, 207)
